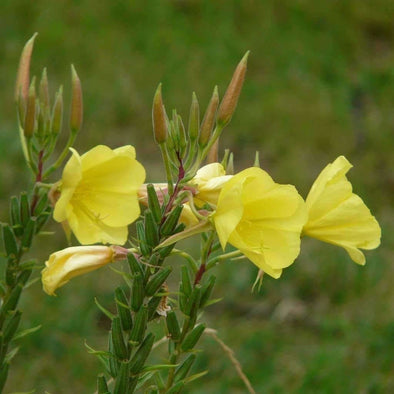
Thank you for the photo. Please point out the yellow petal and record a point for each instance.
(262, 219)
(338, 216)
(68, 263)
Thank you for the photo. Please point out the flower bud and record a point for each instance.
(159, 117)
(57, 113)
(22, 79)
(44, 90)
(194, 119)
(230, 99)
(209, 118)
(28, 233)
(151, 229)
(213, 154)
(76, 102)
(30, 117)
(102, 387)
(122, 380)
(10, 243)
(171, 221)
(192, 338)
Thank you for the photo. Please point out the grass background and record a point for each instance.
(320, 83)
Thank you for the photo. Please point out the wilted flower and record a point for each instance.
(261, 218)
(337, 215)
(68, 263)
(98, 194)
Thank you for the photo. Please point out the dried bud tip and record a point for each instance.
(257, 160)
(22, 79)
(76, 102)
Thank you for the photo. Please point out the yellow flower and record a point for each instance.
(98, 194)
(209, 181)
(261, 218)
(68, 263)
(337, 215)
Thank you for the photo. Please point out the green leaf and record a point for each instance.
(26, 332)
(104, 310)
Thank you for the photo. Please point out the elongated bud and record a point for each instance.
(153, 304)
(140, 320)
(194, 119)
(30, 117)
(213, 154)
(24, 276)
(76, 102)
(137, 295)
(123, 309)
(157, 280)
(22, 79)
(138, 361)
(12, 301)
(192, 338)
(182, 136)
(57, 113)
(44, 90)
(230, 99)
(173, 326)
(182, 371)
(209, 118)
(159, 117)
(118, 340)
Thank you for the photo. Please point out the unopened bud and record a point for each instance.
(22, 79)
(76, 102)
(159, 117)
(213, 154)
(44, 90)
(230, 99)
(57, 113)
(194, 119)
(209, 118)
(30, 117)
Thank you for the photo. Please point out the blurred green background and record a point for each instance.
(320, 83)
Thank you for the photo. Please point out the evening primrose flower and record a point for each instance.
(261, 218)
(70, 262)
(98, 194)
(337, 215)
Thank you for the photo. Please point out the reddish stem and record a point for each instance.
(199, 274)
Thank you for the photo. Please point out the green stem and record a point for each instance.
(167, 165)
